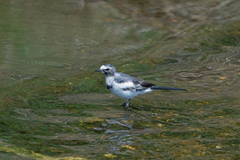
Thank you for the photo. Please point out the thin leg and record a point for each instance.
(125, 103)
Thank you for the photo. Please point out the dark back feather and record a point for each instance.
(146, 84)
(121, 77)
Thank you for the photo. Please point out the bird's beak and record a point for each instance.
(98, 70)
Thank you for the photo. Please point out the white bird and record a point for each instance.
(126, 86)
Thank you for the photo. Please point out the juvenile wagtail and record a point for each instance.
(126, 86)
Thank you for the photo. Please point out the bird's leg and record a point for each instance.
(125, 103)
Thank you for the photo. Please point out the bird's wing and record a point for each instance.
(146, 84)
(128, 82)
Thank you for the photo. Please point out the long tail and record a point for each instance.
(167, 88)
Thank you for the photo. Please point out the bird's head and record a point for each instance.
(107, 69)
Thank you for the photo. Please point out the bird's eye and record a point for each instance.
(107, 69)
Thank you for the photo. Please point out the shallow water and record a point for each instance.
(53, 106)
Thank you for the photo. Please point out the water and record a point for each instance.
(53, 105)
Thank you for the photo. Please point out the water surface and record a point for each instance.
(53, 106)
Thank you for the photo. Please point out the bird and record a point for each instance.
(126, 86)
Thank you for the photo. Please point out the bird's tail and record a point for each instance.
(167, 88)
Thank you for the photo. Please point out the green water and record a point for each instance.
(54, 106)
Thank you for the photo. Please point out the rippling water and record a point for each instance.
(54, 106)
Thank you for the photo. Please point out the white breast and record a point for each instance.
(109, 80)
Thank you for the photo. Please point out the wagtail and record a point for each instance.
(126, 86)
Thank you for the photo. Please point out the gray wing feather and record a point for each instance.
(121, 78)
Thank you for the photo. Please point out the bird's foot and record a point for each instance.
(124, 104)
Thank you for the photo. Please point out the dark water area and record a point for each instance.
(54, 106)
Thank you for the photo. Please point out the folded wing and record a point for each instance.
(127, 82)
